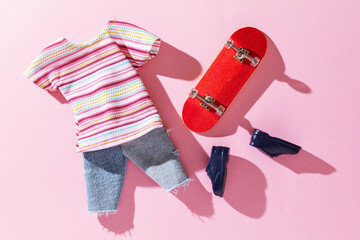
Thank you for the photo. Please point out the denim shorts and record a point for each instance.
(104, 170)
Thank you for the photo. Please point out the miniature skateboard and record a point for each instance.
(239, 58)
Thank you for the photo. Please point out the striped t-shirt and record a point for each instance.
(99, 80)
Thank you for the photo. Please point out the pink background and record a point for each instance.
(306, 91)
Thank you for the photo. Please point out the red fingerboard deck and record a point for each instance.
(224, 79)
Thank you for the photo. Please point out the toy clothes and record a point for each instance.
(99, 79)
(114, 115)
(104, 170)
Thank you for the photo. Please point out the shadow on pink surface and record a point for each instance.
(305, 162)
(245, 187)
(173, 63)
(123, 221)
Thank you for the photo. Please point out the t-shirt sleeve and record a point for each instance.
(41, 71)
(137, 44)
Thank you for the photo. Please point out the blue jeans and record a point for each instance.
(104, 170)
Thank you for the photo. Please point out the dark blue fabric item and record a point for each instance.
(272, 146)
(216, 169)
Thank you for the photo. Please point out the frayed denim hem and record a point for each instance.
(103, 213)
(183, 184)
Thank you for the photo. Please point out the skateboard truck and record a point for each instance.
(242, 53)
(207, 102)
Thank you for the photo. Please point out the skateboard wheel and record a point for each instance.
(255, 62)
(220, 110)
(228, 43)
(193, 93)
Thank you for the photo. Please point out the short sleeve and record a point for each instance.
(41, 71)
(137, 44)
